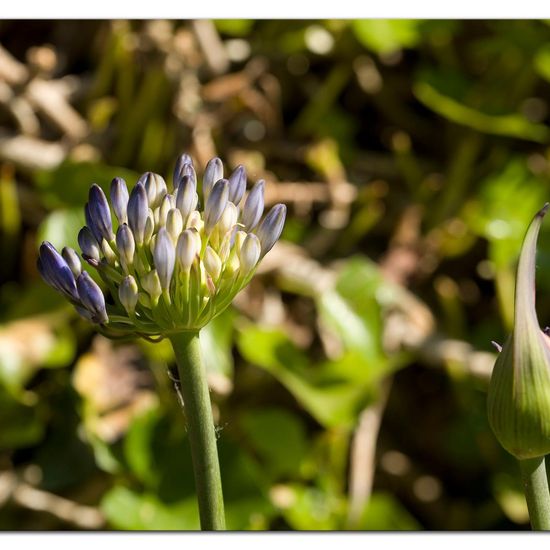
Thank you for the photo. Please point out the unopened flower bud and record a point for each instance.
(89, 245)
(56, 272)
(119, 199)
(100, 214)
(155, 186)
(212, 173)
(164, 256)
(138, 209)
(92, 298)
(108, 252)
(237, 185)
(126, 245)
(165, 207)
(149, 227)
(212, 263)
(215, 205)
(195, 221)
(128, 293)
(174, 223)
(187, 249)
(228, 219)
(72, 259)
(254, 206)
(271, 227)
(151, 285)
(249, 253)
(519, 391)
(186, 196)
(183, 164)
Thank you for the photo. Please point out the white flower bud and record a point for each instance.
(151, 284)
(187, 249)
(128, 293)
(249, 253)
(174, 223)
(212, 263)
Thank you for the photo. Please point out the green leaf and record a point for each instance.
(313, 509)
(69, 183)
(127, 509)
(541, 62)
(385, 513)
(279, 438)
(352, 309)
(333, 392)
(234, 27)
(61, 227)
(385, 36)
(21, 425)
(138, 447)
(510, 125)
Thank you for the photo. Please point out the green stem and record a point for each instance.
(535, 484)
(200, 429)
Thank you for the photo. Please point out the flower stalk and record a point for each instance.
(535, 486)
(200, 429)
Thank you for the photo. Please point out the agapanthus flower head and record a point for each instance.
(168, 265)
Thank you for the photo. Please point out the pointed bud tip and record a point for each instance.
(496, 345)
(541, 213)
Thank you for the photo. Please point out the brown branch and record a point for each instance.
(24, 494)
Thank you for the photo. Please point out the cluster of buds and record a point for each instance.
(168, 265)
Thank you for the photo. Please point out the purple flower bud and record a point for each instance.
(186, 170)
(138, 209)
(91, 224)
(215, 205)
(254, 206)
(182, 161)
(125, 244)
(186, 196)
(164, 255)
(155, 186)
(271, 228)
(92, 298)
(84, 313)
(119, 199)
(89, 246)
(237, 185)
(56, 272)
(100, 214)
(212, 173)
(72, 259)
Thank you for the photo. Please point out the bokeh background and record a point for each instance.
(349, 380)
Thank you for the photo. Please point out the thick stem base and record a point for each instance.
(535, 485)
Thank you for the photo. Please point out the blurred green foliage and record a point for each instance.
(412, 155)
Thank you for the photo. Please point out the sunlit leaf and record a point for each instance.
(126, 509)
(387, 35)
